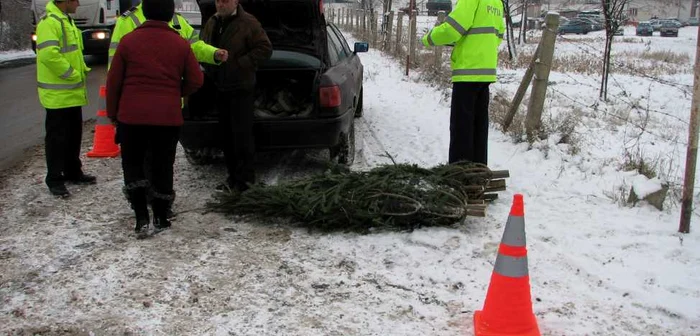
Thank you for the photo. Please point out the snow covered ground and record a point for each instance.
(596, 268)
(6, 56)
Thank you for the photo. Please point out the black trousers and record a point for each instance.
(64, 132)
(469, 122)
(161, 143)
(236, 133)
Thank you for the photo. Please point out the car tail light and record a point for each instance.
(330, 96)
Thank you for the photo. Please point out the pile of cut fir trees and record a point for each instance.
(392, 196)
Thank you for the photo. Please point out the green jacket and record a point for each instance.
(476, 29)
(61, 71)
(133, 18)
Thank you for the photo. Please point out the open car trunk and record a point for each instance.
(285, 93)
(287, 83)
(292, 25)
(285, 87)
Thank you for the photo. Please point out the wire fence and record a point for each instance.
(397, 35)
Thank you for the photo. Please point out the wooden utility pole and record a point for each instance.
(412, 39)
(387, 32)
(692, 152)
(524, 84)
(399, 32)
(411, 54)
(373, 26)
(438, 49)
(533, 120)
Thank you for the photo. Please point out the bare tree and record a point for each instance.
(613, 10)
(512, 52)
(523, 23)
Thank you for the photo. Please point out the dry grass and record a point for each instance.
(498, 111)
(665, 56)
(564, 126)
(631, 40)
(588, 62)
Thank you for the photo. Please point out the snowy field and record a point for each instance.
(596, 267)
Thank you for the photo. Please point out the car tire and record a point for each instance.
(344, 152)
(196, 158)
(358, 108)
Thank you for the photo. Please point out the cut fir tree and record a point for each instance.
(393, 196)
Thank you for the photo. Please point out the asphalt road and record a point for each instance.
(21, 115)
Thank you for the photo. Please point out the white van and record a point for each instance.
(95, 18)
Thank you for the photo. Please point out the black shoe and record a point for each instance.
(60, 191)
(242, 186)
(225, 187)
(137, 198)
(82, 179)
(160, 213)
(160, 224)
(141, 228)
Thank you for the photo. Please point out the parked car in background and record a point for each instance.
(645, 28)
(693, 21)
(677, 21)
(434, 6)
(307, 95)
(596, 25)
(669, 28)
(656, 24)
(619, 32)
(575, 27)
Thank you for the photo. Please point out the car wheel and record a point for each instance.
(344, 152)
(197, 158)
(358, 108)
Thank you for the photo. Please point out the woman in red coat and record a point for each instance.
(152, 69)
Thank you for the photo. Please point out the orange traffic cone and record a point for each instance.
(103, 143)
(508, 306)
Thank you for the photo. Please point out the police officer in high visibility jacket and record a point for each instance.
(133, 18)
(61, 79)
(475, 28)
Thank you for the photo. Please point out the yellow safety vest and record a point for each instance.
(60, 67)
(133, 18)
(476, 29)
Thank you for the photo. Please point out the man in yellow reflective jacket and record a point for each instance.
(61, 80)
(133, 18)
(475, 28)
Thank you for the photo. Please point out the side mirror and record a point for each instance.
(361, 47)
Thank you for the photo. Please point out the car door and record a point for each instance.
(341, 70)
(353, 63)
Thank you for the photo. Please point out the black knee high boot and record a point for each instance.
(161, 204)
(136, 195)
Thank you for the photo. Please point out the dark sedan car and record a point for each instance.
(669, 28)
(434, 6)
(645, 28)
(307, 94)
(575, 27)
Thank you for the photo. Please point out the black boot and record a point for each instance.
(161, 205)
(137, 199)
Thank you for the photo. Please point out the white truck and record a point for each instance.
(95, 18)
